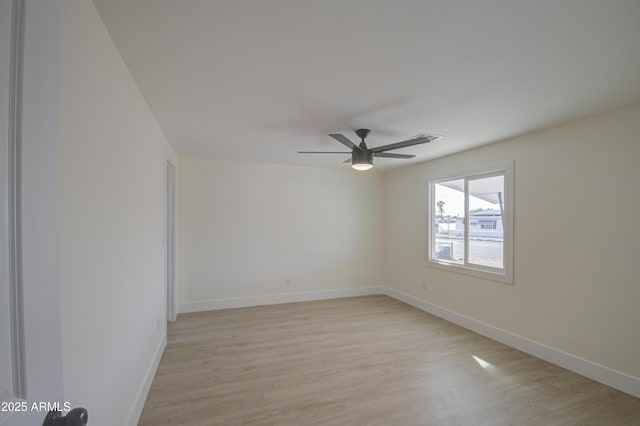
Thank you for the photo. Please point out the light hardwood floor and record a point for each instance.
(362, 361)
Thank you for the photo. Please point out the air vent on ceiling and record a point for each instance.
(432, 137)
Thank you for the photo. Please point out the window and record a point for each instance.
(471, 222)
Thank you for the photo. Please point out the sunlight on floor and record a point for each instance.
(484, 364)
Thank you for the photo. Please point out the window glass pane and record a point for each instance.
(448, 225)
(486, 219)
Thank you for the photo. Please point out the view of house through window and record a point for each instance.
(468, 222)
(486, 209)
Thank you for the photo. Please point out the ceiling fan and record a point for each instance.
(362, 156)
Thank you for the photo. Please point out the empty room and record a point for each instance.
(357, 212)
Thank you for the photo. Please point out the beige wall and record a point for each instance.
(111, 223)
(576, 285)
(244, 228)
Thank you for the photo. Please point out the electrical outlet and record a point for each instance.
(424, 285)
(287, 282)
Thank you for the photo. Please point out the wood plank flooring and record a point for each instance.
(362, 361)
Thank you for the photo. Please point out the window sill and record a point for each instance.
(504, 277)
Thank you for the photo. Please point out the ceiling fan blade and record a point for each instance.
(410, 142)
(323, 152)
(389, 155)
(345, 141)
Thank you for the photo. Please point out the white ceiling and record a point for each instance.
(258, 80)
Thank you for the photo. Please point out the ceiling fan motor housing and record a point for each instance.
(361, 157)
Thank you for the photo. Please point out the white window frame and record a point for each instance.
(505, 274)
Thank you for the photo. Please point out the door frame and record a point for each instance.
(34, 198)
(170, 237)
(11, 183)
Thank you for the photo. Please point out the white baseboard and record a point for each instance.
(592, 370)
(274, 299)
(143, 391)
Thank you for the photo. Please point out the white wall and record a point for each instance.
(576, 282)
(111, 222)
(244, 228)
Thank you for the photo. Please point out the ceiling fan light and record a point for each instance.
(362, 160)
(362, 166)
